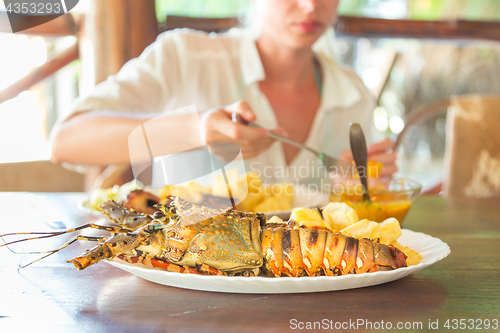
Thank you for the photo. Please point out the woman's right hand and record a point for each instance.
(219, 127)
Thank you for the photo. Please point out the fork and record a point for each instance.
(328, 161)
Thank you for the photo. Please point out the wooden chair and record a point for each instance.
(472, 154)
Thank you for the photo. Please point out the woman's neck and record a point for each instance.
(288, 68)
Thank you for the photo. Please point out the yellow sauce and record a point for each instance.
(381, 207)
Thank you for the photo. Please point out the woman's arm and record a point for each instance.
(102, 137)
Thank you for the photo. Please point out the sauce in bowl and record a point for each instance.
(389, 197)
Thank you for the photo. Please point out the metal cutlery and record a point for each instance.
(331, 163)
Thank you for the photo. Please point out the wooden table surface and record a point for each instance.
(52, 295)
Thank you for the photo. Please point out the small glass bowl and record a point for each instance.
(390, 197)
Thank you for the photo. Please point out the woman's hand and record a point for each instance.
(382, 152)
(218, 127)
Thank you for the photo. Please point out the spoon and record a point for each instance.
(360, 154)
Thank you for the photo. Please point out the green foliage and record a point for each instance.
(417, 9)
(481, 10)
(201, 8)
(353, 7)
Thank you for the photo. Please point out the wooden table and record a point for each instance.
(52, 295)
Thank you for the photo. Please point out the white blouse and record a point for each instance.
(185, 67)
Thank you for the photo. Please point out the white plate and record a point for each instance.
(432, 250)
(307, 200)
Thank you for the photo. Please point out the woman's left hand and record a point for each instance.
(382, 152)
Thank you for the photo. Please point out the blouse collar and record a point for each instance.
(339, 91)
(251, 65)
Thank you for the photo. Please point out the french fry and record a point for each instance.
(251, 194)
(178, 191)
(269, 204)
(284, 194)
(219, 186)
(250, 202)
(249, 191)
(196, 191)
(253, 181)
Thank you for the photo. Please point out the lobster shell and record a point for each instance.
(295, 251)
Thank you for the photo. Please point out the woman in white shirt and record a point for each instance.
(284, 80)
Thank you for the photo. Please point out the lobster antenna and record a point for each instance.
(49, 234)
(116, 229)
(228, 188)
(6, 245)
(51, 252)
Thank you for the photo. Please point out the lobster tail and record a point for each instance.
(365, 260)
(293, 258)
(312, 247)
(297, 251)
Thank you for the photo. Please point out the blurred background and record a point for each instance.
(404, 74)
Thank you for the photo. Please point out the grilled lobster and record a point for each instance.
(295, 251)
(186, 238)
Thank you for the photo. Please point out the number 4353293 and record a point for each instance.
(34, 8)
(473, 324)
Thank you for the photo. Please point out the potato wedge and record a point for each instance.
(269, 204)
(390, 231)
(413, 257)
(361, 229)
(196, 191)
(276, 219)
(300, 214)
(312, 224)
(307, 217)
(338, 215)
(176, 190)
